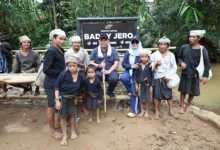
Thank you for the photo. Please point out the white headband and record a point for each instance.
(57, 32)
(199, 33)
(164, 40)
(75, 38)
(24, 38)
(145, 52)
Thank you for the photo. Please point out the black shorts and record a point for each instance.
(50, 97)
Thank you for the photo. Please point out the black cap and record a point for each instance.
(135, 38)
(103, 35)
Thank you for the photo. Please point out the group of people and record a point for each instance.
(146, 77)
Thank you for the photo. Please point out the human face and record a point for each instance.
(163, 47)
(91, 73)
(59, 40)
(76, 45)
(26, 45)
(194, 39)
(103, 43)
(72, 67)
(144, 58)
(135, 44)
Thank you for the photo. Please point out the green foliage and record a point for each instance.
(175, 18)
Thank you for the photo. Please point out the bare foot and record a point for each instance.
(181, 111)
(188, 108)
(99, 120)
(90, 120)
(146, 115)
(173, 115)
(73, 136)
(64, 141)
(141, 114)
(156, 116)
(56, 135)
(86, 112)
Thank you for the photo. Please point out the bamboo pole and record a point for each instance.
(104, 88)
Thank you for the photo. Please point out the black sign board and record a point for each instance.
(120, 30)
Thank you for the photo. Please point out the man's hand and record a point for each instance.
(155, 65)
(134, 66)
(204, 80)
(106, 71)
(137, 87)
(102, 65)
(151, 89)
(166, 79)
(58, 105)
(183, 66)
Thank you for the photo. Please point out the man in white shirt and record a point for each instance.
(164, 66)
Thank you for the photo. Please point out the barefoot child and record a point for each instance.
(94, 91)
(144, 80)
(67, 87)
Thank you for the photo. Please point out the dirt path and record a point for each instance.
(25, 128)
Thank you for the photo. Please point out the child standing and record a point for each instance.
(67, 88)
(144, 80)
(94, 91)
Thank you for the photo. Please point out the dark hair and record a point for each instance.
(7, 46)
(55, 36)
(90, 66)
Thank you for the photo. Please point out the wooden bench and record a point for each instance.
(31, 77)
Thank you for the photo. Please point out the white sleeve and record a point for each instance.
(152, 58)
(173, 67)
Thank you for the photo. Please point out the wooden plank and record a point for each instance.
(44, 97)
(12, 78)
(89, 50)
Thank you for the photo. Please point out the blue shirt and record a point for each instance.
(67, 86)
(109, 61)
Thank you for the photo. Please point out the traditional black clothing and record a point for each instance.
(189, 81)
(144, 78)
(94, 93)
(68, 89)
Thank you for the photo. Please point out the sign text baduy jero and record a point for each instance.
(119, 34)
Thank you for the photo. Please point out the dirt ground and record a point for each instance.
(25, 128)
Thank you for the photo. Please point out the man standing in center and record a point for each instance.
(106, 59)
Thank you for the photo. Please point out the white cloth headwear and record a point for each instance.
(164, 40)
(145, 52)
(75, 38)
(57, 32)
(199, 33)
(24, 38)
(109, 51)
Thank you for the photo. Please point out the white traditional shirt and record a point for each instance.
(168, 65)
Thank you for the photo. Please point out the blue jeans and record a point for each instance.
(111, 78)
(134, 100)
